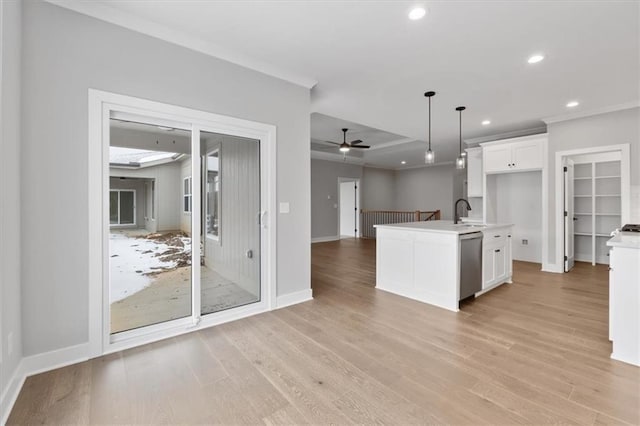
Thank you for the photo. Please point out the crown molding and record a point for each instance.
(336, 158)
(590, 113)
(425, 166)
(390, 144)
(180, 38)
(507, 135)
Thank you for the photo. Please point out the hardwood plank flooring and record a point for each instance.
(533, 352)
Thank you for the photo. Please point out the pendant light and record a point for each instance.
(461, 161)
(429, 156)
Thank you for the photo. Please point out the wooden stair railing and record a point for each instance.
(369, 218)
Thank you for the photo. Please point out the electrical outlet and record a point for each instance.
(525, 242)
(10, 344)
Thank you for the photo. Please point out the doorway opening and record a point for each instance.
(594, 191)
(348, 207)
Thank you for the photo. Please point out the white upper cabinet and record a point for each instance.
(474, 172)
(518, 154)
(497, 158)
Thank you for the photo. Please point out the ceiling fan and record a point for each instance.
(345, 147)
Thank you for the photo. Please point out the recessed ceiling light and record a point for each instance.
(403, 162)
(417, 13)
(573, 104)
(486, 122)
(535, 59)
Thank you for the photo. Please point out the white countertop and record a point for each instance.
(441, 226)
(625, 239)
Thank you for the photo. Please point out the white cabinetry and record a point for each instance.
(497, 158)
(496, 257)
(513, 155)
(624, 297)
(474, 172)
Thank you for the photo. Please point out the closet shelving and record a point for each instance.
(597, 208)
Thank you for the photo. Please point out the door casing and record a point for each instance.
(103, 106)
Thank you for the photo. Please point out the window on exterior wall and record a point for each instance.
(153, 199)
(186, 195)
(213, 194)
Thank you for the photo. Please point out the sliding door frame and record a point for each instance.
(104, 105)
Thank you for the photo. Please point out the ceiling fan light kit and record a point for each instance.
(429, 155)
(345, 146)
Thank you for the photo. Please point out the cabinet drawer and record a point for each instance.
(494, 238)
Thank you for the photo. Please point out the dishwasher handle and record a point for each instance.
(471, 236)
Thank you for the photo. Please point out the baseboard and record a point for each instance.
(552, 267)
(294, 298)
(36, 364)
(10, 394)
(325, 239)
(627, 360)
(48, 361)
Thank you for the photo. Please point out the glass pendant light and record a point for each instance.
(461, 161)
(429, 156)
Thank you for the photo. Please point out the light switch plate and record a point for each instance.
(284, 207)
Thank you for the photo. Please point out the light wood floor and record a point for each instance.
(534, 352)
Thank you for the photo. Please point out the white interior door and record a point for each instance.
(348, 208)
(569, 218)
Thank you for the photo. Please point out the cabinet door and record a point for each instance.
(500, 263)
(497, 158)
(612, 290)
(474, 172)
(488, 270)
(508, 255)
(526, 155)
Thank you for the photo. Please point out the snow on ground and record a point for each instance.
(131, 261)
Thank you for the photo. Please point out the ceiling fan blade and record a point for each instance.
(332, 143)
(361, 146)
(357, 141)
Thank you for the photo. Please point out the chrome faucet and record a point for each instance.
(456, 218)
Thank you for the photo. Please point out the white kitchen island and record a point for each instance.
(421, 260)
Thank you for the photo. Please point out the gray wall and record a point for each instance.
(324, 195)
(426, 188)
(613, 128)
(65, 54)
(378, 189)
(10, 224)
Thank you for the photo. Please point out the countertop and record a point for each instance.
(625, 239)
(441, 226)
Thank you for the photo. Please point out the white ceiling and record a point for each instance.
(372, 64)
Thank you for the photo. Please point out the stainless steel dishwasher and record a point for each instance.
(470, 264)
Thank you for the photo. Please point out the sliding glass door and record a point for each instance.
(150, 256)
(230, 260)
(122, 207)
(202, 211)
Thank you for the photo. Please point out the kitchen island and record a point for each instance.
(422, 260)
